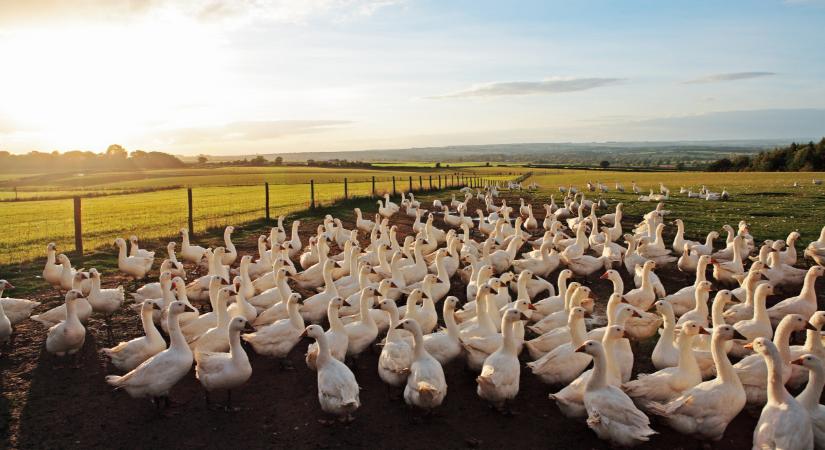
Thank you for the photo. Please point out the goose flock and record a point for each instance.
(508, 281)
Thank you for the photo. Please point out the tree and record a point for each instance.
(437, 165)
(487, 164)
(604, 164)
(202, 159)
(116, 151)
(279, 161)
(258, 161)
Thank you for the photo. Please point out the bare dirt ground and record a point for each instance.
(43, 407)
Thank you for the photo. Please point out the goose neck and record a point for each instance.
(809, 397)
(598, 378)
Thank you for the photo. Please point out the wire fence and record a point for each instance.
(85, 223)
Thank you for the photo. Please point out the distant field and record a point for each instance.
(61, 185)
(767, 201)
(231, 199)
(464, 164)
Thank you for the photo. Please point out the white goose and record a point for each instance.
(15, 309)
(336, 336)
(189, 252)
(809, 398)
(784, 422)
(445, 345)
(705, 410)
(215, 339)
(222, 370)
(610, 412)
(570, 400)
(499, 379)
(563, 364)
(426, 386)
(278, 339)
(804, 304)
(134, 266)
(337, 388)
(231, 253)
(52, 270)
(684, 299)
(68, 336)
(668, 383)
(156, 376)
(752, 370)
(362, 333)
(396, 352)
(83, 309)
(128, 355)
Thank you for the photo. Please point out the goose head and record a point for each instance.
(148, 306)
(337, 302)
(389, 306)
(120, 243)
(51, 247)
(6, 285)
(692, 328)
(178, 307)
(513, 315)
(238, 324)
(810, 362)
(451, 303)
(72, 296)
(313, 331)
(295, 298)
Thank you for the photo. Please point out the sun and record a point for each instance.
(88, 87)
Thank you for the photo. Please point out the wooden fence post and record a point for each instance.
(431, 182)
(266, 186)
(78, 227)
(191, 219)
(346, 189)
(420, 183)
(410, 183)
(373, 186)
(393, 185)
(311, 194)
(439, 182)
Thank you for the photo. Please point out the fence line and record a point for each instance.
(83, 224)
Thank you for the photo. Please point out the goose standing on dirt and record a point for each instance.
(809, 398)
(804, 304)
(83, 309)
(134, 266)
(611, 414)
(16, 309)
(426, 386)
(221, 370)
(52, 270)
(189, 252)
(499, 379)
(705, 410)
(784, 423)
(68, 336)
(337, 388)
(128, 355)
(156, 376)
(278, 339)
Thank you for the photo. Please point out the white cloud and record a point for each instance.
(553, 85)
(734, 76)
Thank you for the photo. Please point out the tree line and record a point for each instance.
(808, 157)
(115, 158)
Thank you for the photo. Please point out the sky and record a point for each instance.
(271, 76)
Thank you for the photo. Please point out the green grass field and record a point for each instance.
(767, 201)
(149, 215)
